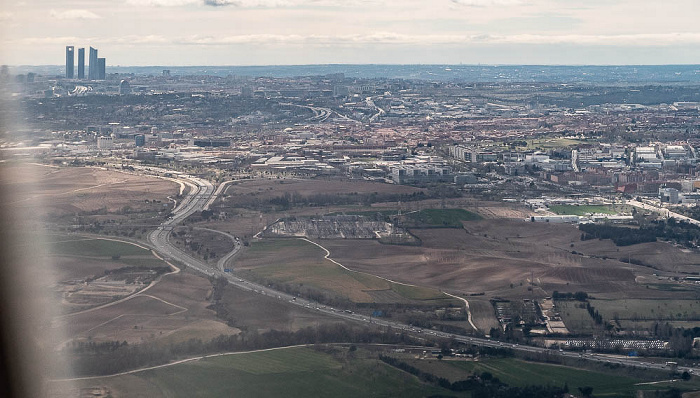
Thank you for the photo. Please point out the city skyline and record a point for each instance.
(266, 32)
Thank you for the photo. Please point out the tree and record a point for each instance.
(586, 391)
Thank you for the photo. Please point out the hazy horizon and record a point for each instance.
(303, 32)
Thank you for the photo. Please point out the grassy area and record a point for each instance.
(145, 262)
(576, 319)
(582, 210)
(300, 263)
(520, 373)
(444, 217)
(648, 309)
(96, 248)
(292, 372)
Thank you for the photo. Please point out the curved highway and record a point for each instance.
(203, 194)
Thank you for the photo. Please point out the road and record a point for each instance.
(203, 193)
(380, 112)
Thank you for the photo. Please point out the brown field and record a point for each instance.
(483, 314)
(301, 264)
(73, 267)
(490, 256)
(173, 310)
(256, 311)
(74, 190)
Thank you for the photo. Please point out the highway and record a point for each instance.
(202, 194)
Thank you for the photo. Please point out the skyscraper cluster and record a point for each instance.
(96, 66)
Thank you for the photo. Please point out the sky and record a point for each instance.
(284, 32)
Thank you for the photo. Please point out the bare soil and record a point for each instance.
(76, 190)
(173, 310)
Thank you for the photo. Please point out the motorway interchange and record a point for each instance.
(202, 193)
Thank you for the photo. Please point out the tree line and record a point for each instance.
(114, 358)
(482, 385)
(681, 232)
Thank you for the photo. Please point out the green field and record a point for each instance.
(515, 372)
(291, 372)
(444, 217)
(77, 246)
(297, 262)
(582, 210)
(336, 372)
(576, 319)
(648, 309)
(107, 251)
(633, 314)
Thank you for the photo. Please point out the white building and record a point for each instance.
(105, 142)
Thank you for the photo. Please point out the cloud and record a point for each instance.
(60, 40)
(488, 3)
(639, 39)
(163, 3)
(121, 40)
(6, 16)
(388, 38)
(74, 14)
(251, 3)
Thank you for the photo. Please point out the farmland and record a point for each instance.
(283, 194)
(444, 217)
(92, 247)
(520, 373)
(300, 263)
(576, 318)
(338, 371)
(638, 315)
(93, 271)
(172, 309)
(66, 191)
(640, 309)
(290, 372)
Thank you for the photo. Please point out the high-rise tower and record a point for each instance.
(92, 64)
(81, 63)
(101, 75)
(70, 62)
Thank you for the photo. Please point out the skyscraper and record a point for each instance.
(101, 75)
(92, 64)
(70, 62)
(81, 63)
